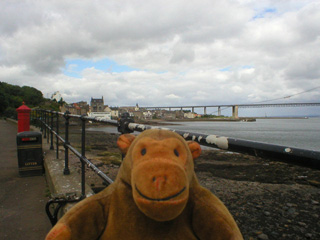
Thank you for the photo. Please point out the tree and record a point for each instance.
(32, 96)
(3, 101)
(15, 101)
(12, 96)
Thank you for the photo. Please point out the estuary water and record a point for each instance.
(300, 133)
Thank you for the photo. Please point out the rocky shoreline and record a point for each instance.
(268, 199)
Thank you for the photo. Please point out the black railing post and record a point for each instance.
(44, 123)
(31, 117)
(83, 153)
(47, 122)
(57, 139)
(51, 139)
(36, 118)
(123, 123)
(39, 116)
(41, 121)
(66, 170)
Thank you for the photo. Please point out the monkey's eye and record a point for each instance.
(176, 152)
(143, 151)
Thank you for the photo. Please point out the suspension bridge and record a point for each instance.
(235, 107)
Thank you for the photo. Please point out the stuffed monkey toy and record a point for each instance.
(156, 195)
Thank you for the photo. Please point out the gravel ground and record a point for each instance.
(268, 199)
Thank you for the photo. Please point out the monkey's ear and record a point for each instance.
(194, 148)
(124, 142)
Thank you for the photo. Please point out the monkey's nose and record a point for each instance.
(159, 182)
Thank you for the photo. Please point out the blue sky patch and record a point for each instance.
(265, 11)
(226, 69)
(247, 66)
(74, 67)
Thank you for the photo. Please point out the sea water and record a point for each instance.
(299, 133)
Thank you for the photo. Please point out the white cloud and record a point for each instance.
(172, 96)
(236, 89)
(189, 53)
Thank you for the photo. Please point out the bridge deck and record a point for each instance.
(257, 105)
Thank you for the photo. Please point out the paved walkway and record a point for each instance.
(22, 200)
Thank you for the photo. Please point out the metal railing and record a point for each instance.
(46, 119)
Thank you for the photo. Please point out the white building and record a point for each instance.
(189, 115)
(56, 96)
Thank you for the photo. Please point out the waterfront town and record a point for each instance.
(98, 109)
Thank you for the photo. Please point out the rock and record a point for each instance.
(314, 202)
(314, 183)
(302, 177)
(291, 211)
(267, 213)
(302, 224)
(308, 235)
(291, 205)
(263, 236)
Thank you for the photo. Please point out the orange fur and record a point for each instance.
(156, 195)
(59, 232)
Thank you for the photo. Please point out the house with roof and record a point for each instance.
(97, 104)
(80, 108)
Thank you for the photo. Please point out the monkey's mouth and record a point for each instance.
(160, 199)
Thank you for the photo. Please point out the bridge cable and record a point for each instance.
(289, 96)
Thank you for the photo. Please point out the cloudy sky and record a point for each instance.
(175, 52)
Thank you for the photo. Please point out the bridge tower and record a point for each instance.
(235, 111)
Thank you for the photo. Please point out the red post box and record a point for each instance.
(23, 118)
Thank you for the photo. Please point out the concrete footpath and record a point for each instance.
(22, 200)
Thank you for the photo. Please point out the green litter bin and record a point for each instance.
(30, 155)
